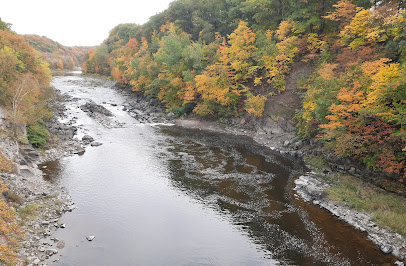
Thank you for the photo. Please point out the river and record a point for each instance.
(164, 195)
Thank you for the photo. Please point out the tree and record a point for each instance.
(255, 105)
(239, 53)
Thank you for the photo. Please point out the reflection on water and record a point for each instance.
(254, 186)
(173, 196)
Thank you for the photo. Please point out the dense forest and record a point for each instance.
(226, 58)
(57, 55)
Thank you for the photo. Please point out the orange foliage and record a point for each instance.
(5, 164)
(327, 71)
(10, 232)
(132, 43)
(344, 11)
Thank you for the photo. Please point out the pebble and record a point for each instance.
(60, 244)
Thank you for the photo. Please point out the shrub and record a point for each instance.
(37, 135)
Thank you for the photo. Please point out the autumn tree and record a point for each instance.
(255, 105)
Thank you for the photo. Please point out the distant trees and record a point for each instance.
(56, 55)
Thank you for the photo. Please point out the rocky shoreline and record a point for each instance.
(41, 203)
(313, 189)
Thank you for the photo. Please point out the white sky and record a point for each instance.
(76, 22)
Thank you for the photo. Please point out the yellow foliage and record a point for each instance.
(255, 105)
(372, 26)
(371, 68)
(381, 74)
(344, 11)
(189, 94)
(284, 29)
(239, 53)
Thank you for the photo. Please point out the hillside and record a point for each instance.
(57, 55)
(224, 59)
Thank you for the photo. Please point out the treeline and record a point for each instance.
(224, 58)
(57, 55)
(217, 58)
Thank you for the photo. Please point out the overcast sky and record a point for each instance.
(76, 22)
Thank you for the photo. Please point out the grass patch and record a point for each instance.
(388, 209)
(315, 161)
(29, 211)
(12, 196)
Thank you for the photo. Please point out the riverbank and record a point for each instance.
(39, 204)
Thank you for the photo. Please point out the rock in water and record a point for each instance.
(60, 244)
(95, 144)
(90, 238)
(87, 139)
(91, 108)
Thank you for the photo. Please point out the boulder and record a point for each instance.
(87, 139)
(170, 116)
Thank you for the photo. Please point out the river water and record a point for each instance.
(164, 195)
